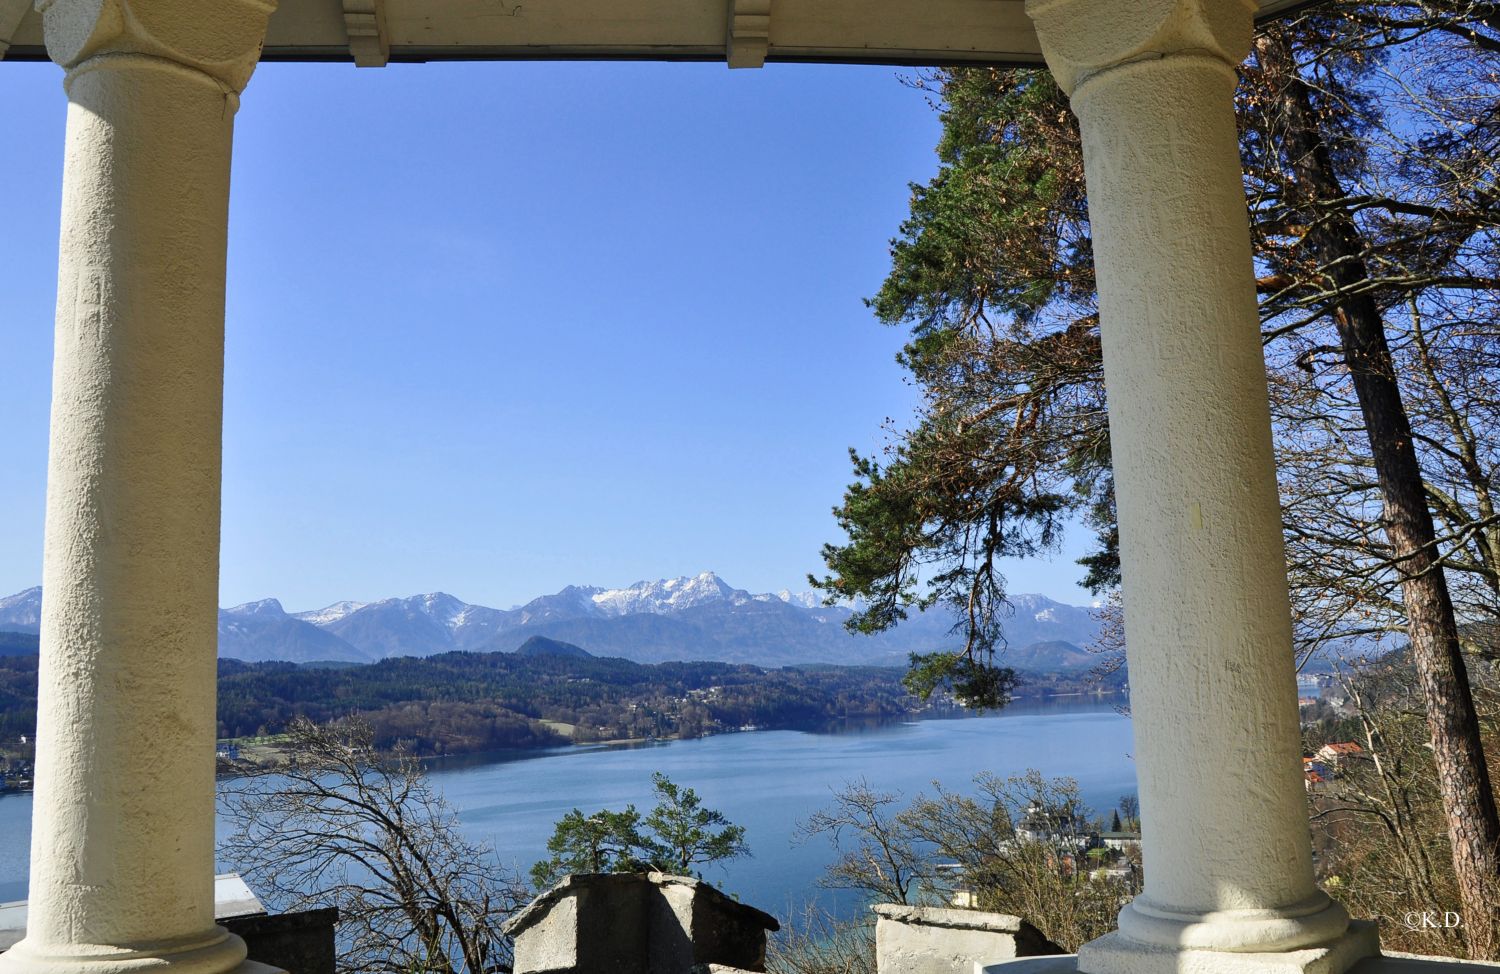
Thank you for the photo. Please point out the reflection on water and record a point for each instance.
(767, 781)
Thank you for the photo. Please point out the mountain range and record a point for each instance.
(700, 617)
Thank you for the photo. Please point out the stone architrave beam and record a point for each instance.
(749, 33)
(369, 43)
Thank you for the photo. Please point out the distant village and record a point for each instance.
(1073, 845)
(17, 767)
(1320, 697)
(1326, 764)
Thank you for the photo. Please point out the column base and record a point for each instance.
(1114, 953)
(1313, 922)
(225, 955)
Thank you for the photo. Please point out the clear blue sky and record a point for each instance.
(498, 328)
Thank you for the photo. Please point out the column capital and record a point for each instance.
(221, 40)
(1081, 38)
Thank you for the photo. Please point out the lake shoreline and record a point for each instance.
(1019, 702)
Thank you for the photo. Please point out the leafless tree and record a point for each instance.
(1016, 845)
(340, 825)
(1379, 825)
(1365, 231)
(876, 852)
(1020, 844)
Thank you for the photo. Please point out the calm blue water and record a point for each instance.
(767, 781)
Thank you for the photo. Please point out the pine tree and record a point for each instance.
(678, 834)
(685, 834)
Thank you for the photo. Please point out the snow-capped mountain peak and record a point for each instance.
(262, 607)
(329, 613)
(689, 617)
(804, 599)
(31, 596)
(440, 607)
(22, 612)
(668, 595)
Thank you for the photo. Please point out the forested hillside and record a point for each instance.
(458, 702)
(18, 662)
(546, 693)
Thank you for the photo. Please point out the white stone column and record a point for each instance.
(1229, 880)
(123, 825)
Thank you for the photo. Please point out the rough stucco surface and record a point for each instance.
(1225, 840)
(122, 843)
(1205, 586)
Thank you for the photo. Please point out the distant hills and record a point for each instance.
(17, 644)
(689, 618)
(22, 612)
(542, 646)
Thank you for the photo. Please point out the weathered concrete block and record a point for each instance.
(928, 940)
(636, 923)
(550, 945)
(302, 943)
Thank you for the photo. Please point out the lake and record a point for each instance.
(767, 781)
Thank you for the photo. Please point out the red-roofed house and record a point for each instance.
(1336, 754)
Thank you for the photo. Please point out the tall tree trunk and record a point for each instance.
(1463, 777)
(1465, 449)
